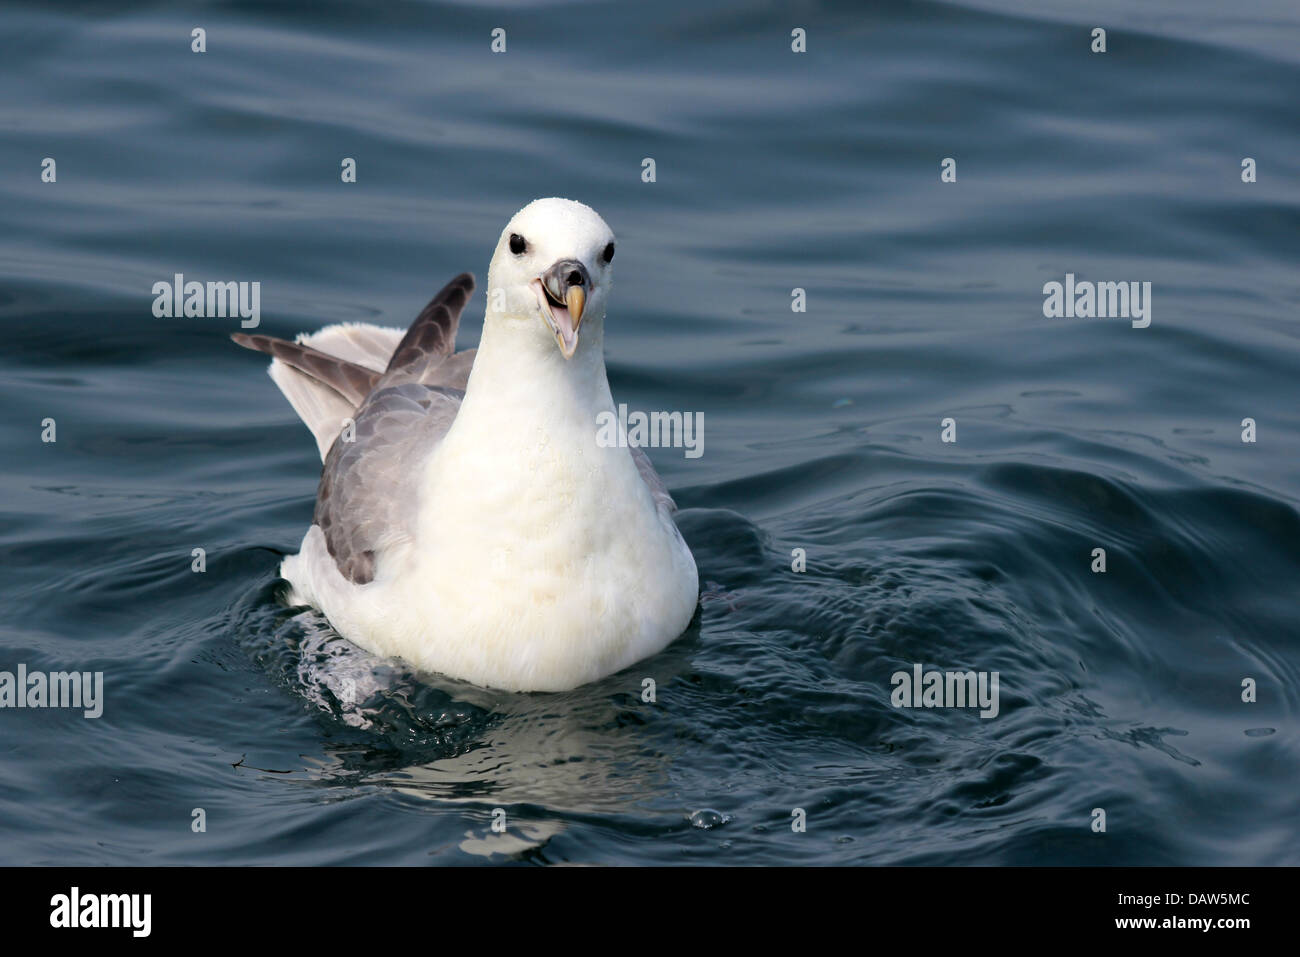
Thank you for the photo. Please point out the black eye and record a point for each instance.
(608, 254)
(517, 244)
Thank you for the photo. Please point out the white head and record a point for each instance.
(552, 268)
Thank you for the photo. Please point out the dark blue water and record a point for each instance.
(774, 170)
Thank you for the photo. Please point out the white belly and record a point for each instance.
(541, 576)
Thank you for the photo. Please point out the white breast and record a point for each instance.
(541, 561)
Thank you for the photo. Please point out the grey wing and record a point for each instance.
(324, 385)
(429, 343)
(351, 381)
(369, 486)
(658, 490)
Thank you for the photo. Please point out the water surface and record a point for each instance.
(774, 171)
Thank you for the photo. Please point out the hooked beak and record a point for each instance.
(562, 292)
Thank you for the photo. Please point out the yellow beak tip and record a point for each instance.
(576, 300)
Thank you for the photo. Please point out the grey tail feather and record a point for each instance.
(432, 336)
(349, 380)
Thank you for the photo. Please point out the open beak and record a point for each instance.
(562, 291)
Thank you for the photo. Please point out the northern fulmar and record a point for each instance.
(468, 520)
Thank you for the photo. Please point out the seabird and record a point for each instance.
(468, 520)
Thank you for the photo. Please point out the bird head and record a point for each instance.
(552, 267)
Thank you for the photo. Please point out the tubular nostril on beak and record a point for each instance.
(565, 275)
(565, 287)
